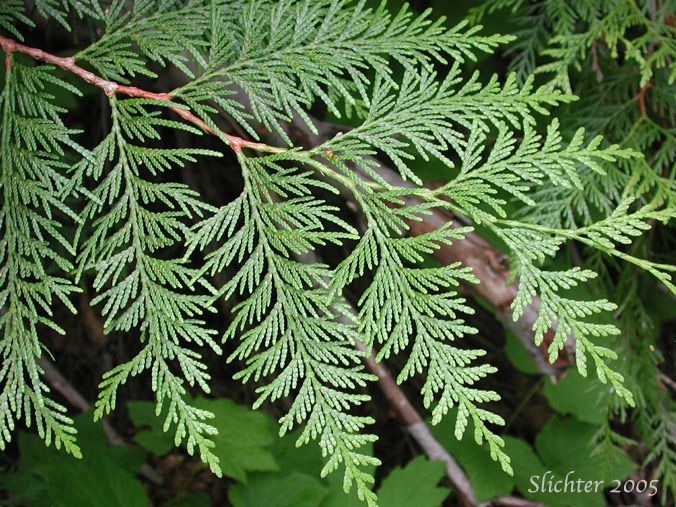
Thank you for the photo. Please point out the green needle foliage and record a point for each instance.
(33, 250)
(136, 288)
(287, 327)
(158, 257)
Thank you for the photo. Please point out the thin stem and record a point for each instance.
(522, 404)
(579, 235)
(111, 88)
(68, 63)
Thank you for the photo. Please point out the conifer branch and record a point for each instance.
(10, 46)
(415, 424)
(488, 264)
(31, 240)
(138, 231)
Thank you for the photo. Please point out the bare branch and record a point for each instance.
(419, 430)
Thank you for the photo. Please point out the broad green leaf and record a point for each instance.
(243, 437)
(336, 496)
(154, 439)
(25, 486)
(100, 483)
(518, 355)
(486, 476)
(279, 490)
(241, 443)
(301, 462)
(290, 457)
(579, 396)
(104, 477)
(528, 467)
(566, 445)
(414, 484)
(95, 444)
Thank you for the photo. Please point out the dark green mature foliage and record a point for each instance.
(534, 185)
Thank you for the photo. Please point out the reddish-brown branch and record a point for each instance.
(667, 381)
(595, 62)
(640, 96)
(10, 46)
(235, 142)
(488, 264)
(187, 115)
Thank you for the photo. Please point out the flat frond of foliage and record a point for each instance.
(34, 253)
(153, 250)
(136, 288)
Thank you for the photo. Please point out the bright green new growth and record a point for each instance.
(293, 327)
